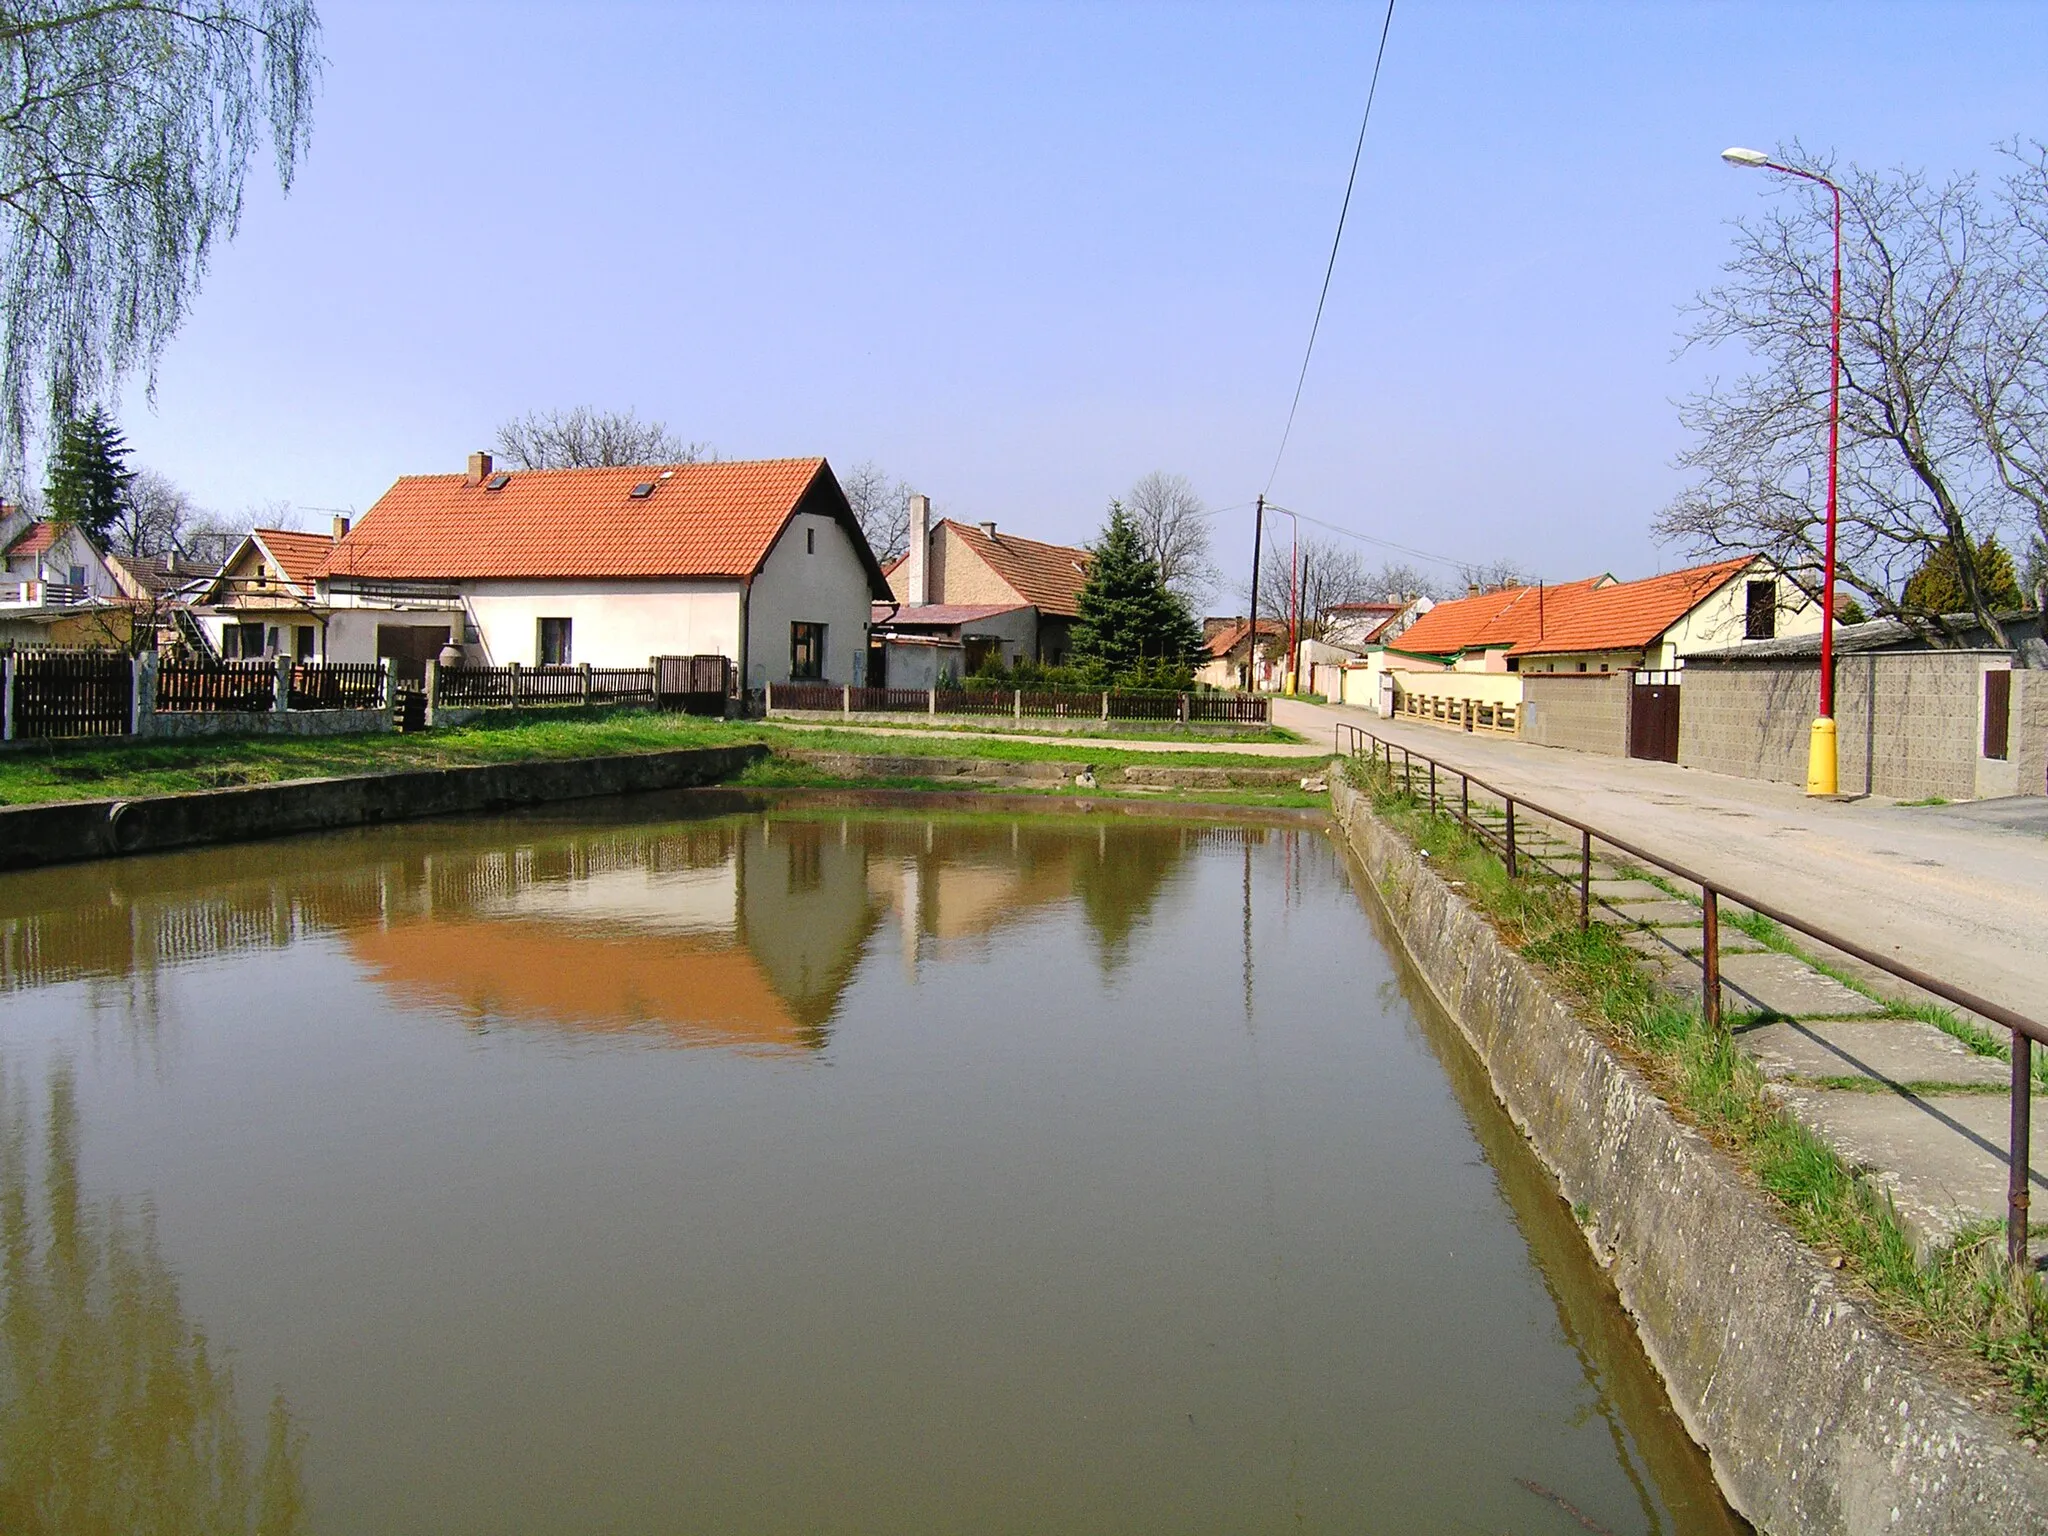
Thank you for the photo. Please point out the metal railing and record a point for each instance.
(1358, 741)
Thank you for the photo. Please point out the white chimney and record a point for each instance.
(920, 551)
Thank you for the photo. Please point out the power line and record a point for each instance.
(1350, 181)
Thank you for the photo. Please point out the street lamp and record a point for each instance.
(1821, 776)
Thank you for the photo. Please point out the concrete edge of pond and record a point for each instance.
(1816, 1417)
(35, 835)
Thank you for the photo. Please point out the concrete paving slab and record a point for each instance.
(1942, 1160)
(1650, 913)
(1892, 1051)
(1686, 943)
(1627, 890)
(1787, 985)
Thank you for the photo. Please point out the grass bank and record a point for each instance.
(60, 771)
(788, 773)
(1964, 1303)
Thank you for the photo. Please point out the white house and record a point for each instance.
(759, 561)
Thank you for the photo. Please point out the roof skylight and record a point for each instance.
(643, 490)
(498, 482)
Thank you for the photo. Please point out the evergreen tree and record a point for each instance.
(89, 475)
(1937, 587)
(1129, 622)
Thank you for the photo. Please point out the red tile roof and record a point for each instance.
(1224, 641)
(298, 555)
(1047, 576)
(1501, 618)
(35, 538)
(701, 520)
(1630, 614)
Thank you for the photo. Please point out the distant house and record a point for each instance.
(265, 599)
(758, 561)
(1028, 592)
(1227, 659)
(1652, 625)
(57, 587)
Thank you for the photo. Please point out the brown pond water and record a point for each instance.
(625, 1169)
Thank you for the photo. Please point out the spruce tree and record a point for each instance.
(89, 475)
(1937, 587)
(1129, 622)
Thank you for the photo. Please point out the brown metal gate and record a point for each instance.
(1653, 716)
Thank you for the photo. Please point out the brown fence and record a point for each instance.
(1026, 703)
(470, 687)
(337, 685)
(72, 693)
(611, 685)
(810, 696)
(194, 687)
(680, 676)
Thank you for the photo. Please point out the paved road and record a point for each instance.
(1961, 892)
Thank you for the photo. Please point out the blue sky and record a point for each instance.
(1022, 254)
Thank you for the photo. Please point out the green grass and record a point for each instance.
(1965, 1299)
(1929, 800)
(43, 774)
(789, 773)
(1107, 730)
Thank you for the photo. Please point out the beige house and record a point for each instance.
(1034, 587)
(265, 600)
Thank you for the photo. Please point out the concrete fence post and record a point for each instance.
(1183, 709)
(1017, 707)
(582, 682)
(281, 697)
(7, 697)
(384, 685)
(433, 689)
(931, 701)
(846, 700)
(514, 669)
(1105, 703)
(142, 696)
(767, 698)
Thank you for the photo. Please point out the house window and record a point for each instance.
(1582, 666)
(1761, 617)
(302, 642)
(806, 652)
(810, 541)
(78, 576)
(554, 642)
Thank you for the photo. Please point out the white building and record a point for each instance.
(759, 561)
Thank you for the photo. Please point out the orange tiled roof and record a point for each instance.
(298, 555)
(1629, 614)
(35, 538)
(704, 520)
(1047, 576)
(1502, 618)
(1224, 641)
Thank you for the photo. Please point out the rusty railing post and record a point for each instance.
(1407, 773)
(1585, 880)
(1465, 799)
(1710, 956)
(2018, 1152)
(1432, 786)
(1511, 834)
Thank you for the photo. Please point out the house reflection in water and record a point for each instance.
(740, 932)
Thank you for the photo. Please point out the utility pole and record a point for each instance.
(1258, 533)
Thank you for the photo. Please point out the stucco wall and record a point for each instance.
(352, 632)
(1480, 687)
(797, 584)
(1908, 724)
(2030, 732)
(1584, 712)
(612, 623)
(1723, 619)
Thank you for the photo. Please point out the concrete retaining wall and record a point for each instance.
(32, 835)
(1909, 724)
(1816, 1418)
(1583, 711)
(169, 726)
(992, 770)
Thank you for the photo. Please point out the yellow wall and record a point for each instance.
(1479, 687)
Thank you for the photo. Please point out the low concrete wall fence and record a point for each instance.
(53, 696)
(1580, 711)
(1908, 724)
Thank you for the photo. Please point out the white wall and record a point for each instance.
(801, 584)
(611, 623)
(352, 632)
(1722, 619)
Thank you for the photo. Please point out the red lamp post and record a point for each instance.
(1821, 764)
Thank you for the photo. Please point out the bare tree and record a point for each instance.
(1398, 582)
(152, 516)
(1174, 527)
(1915, 475)
(209, 539)
(1328, 573)
(1492, 575)
(126, 131)
(582, 437)
(881, 505)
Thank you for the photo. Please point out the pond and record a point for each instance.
(631, 1168)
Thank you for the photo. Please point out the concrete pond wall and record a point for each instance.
(32, 835)
(1817, 1418)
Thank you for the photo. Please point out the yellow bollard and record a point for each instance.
(1821, 776)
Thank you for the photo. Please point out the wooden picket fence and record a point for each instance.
(70, 693)
(199, 687)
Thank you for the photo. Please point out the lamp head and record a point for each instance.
(1749, 157)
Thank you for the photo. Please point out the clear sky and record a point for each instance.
(1022, 254)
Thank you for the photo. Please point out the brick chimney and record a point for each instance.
(479, 468)
(919, 562)
(340, 528)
